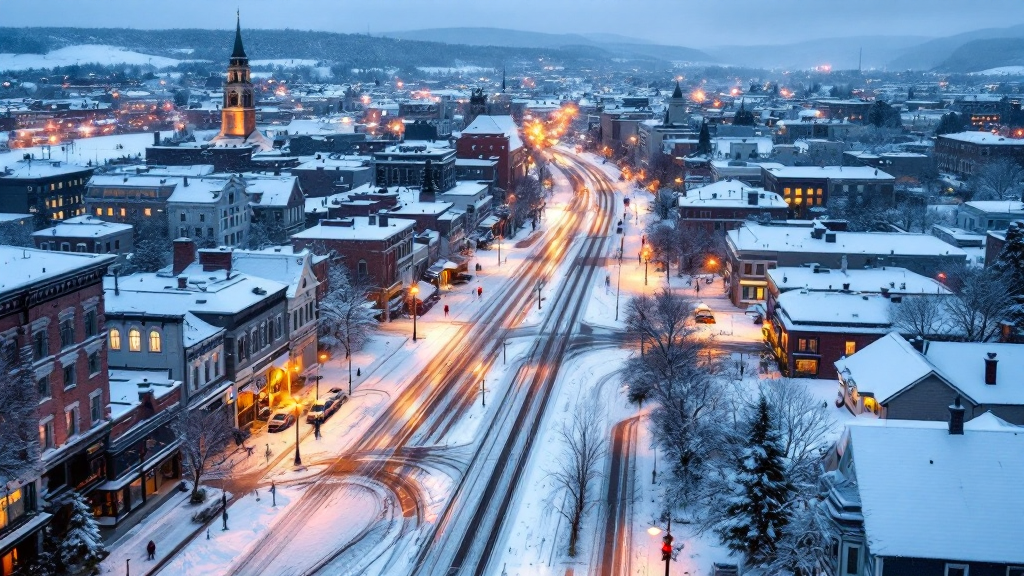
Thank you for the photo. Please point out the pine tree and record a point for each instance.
(82, 545)
(1011, 258)
(704, 139)
(45, 562)
(755, 513)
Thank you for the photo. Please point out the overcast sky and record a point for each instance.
(692, 23)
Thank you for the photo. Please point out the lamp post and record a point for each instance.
(298, 457)
(499, 249)
(666, 543)
(645, 253)
(414, 290)
(483, 391)
(618, 287)
(319, 367)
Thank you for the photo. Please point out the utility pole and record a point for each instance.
(618, 288)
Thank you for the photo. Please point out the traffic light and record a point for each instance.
(666, 548)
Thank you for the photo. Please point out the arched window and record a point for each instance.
(115, 339)
(154, 341)
(134, 340)
(233, 99)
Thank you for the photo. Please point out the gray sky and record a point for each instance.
(692, 23)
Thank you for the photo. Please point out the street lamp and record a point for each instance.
(499, 249)
(319, 367)
(298, 457)
(666, 543)
(483, 391)
(645, 253)
(414, 290)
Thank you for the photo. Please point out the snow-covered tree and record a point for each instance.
(704, 139)
(582, 449)
(19, 399)
(755, 514)
(203, 434)
(148, 255)
(805, 547)
(919, 315)
(1011, 259)
(804, 427)
(982, 298)
(81, 548)
(345, 318)
(14, 233)
(999, 179)
(46, 561)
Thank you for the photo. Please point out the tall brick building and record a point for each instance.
(52, 302)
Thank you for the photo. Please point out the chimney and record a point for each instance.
(373, 219)
(184, 254)
(990, 368)
(382, 219)
(117, 289)
(752, 198)
(156, 138)
(830, 237)
(184, 181)
(956, 417)
(215, 258)
(846, 286)
(182, 282)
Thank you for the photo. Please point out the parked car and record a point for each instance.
(462, 278)
(702, 314)
(280, 421)
(325, 407)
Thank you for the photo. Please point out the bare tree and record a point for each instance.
(999, 179)
(583, 447)
(203, 434)
(919, 315)
(982, 298)
(346, 317)
(528, 196)
(662, 238)
(19, 397)
(806, 542)
(804, 426)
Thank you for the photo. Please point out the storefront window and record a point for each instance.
(806, 367)
(12, 507)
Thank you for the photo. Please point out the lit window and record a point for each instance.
(851, 347)
(134, 340)
(99, 211)
(115, 339)
(154, 341)
(110, 211)
(148, 211)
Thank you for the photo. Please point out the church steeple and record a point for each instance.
(677, 93)
(238, 116)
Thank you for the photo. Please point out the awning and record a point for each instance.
(426, 290)
(488, 222)
(451, 266)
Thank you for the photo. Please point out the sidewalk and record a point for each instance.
(170, 526)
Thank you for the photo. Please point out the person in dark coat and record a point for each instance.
(151, 550)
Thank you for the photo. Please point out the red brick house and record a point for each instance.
(726, 205)
(53, 303)
(378, 247)
(495, 137)
(963, 152)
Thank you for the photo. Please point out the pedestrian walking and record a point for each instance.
(445, 310)
(479, 292)
(151, 550)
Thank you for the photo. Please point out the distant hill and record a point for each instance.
(978, 55)
(934, 53)
(345, 51)
(840, 53)
(617, 45)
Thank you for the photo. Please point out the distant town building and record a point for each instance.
(86, 233)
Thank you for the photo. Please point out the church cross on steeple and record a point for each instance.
(239, 51)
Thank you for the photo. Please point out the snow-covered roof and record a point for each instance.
(195, 330)
(350, 163)
(279, 263)
(12, 217)
(413, 208)
(986, 138)
(466, 188)
(126, 385)
(198, 190)
(1012, 207)
(803, 309)
(729, 194)
(757, 237)
(206, 293)
(896, 280)
(256, 138)
(884, 367)
(505, 125)
(926, 493)
(360, 229)
(271, 190)
(40, 169)
(86, 226)
(833, 172)
(24, 267)
(963, 365)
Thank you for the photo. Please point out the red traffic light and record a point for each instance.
(666, 551)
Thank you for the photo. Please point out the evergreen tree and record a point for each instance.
(1011, 261)
(910, 93)
(882, 115)
(82, 545)
(704, 139)
(950, 124)
(755, 514)
(46, 562)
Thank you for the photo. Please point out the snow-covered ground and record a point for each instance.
(1002, 71)
(96, 150)
(83, 54)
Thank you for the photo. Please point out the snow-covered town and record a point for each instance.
(511, 289)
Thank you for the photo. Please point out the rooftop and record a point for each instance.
(896, 280)
(833, 172)
(997, 206)
(757, 237)
(505, 125)
(730, 193)
(986, 138)
(86, 226)
(358, 228)
(126, 385)
(206, 293)
(25, 169)
(24, 267)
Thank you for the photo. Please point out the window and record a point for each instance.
(46, 435)
(851, 347)
(216, 365)
(115, 339)
(91, 327)
(69, 376)
(110, 211)
(99, 211)
(40, 345)
(806, 367)
(148, 211)
(182, 216)
(759, 270)
(96, 408)
(809, 345)
(361, 270)
(94, 363)
(195, 377)
(956, 569)
(202, 217)
(71, 421)
(134, 340)
(1015, 571)
(748, 269)
(154, 341)
(280, 326)
(206, 370)
(851, 559)
(43, 386)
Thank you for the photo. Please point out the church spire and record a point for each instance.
(678, 92)
(502, 79)
(239, 51)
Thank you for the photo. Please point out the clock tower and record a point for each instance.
(238, 115)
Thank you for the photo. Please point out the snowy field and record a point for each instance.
(83, 54)
(1002, 71)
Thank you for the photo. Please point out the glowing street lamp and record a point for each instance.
(666, 543)
(645, 253)
(298, 457)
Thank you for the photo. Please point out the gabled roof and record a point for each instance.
(885, 367)
(926, 493)
(496, 125)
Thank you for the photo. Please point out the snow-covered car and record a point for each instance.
(702, 314)
(280, 421)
